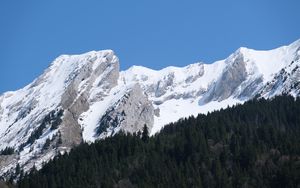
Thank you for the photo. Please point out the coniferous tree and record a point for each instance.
(145, 133)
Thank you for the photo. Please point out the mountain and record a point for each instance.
(86, 97)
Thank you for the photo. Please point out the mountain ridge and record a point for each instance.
(95, 99)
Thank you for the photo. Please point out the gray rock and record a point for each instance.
(75, 104)
(163, 85)
(230, 80)
(191, 79)
(287, 81)
(251, 89)
(157, 112)
(129, 114)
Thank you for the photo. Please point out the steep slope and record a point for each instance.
(86, 97)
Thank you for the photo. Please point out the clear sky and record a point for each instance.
(151, 33)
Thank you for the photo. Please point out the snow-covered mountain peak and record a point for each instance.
(31, 115)
(265, 62)
(74, 61)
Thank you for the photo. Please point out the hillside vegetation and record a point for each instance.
(256, 144)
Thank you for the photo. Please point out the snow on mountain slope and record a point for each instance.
(86, 97)
(285, 81)
(198, 88)
(48, 108)
(175, 91)
(268, 62)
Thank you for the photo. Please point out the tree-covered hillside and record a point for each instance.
(256, 144)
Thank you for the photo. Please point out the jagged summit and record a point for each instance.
(86, 97)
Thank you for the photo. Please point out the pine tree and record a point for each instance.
(145, 133)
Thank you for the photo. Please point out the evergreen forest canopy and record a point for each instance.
(256, 144)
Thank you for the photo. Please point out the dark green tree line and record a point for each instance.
(256, 144)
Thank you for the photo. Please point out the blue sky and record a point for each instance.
(155, 33)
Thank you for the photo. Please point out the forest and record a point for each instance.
(256, 144)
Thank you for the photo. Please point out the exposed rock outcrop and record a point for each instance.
(75, 100)
(231, 78)
(128, 114)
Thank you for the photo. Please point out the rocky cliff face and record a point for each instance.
(230, 79)
(86, 97)
(129, 114)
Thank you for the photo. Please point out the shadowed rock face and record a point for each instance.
(75, 104)
(251, 89)
(159, 88)
(230, 80)
(287, 81)
(162, 85)
(129, 114)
